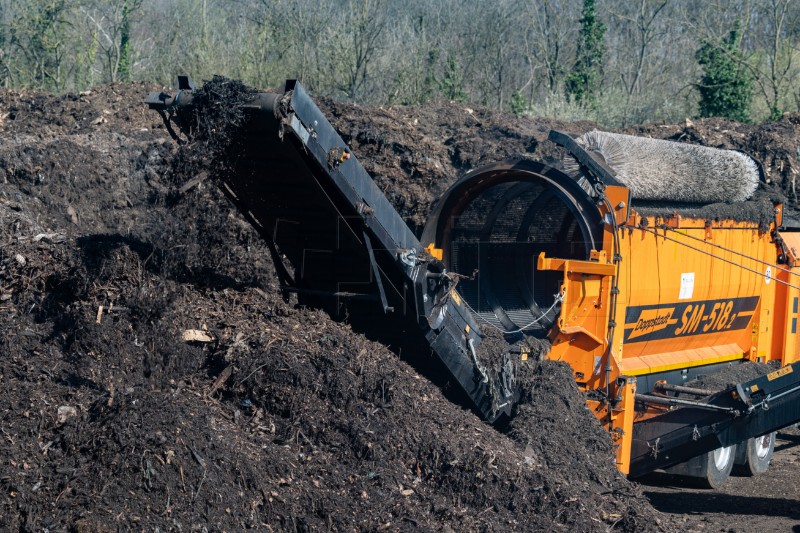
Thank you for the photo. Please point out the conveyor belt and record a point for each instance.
(296, 181)
(757, 407)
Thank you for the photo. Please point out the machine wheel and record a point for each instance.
(709, 470)
(753, 455)
(719, 464)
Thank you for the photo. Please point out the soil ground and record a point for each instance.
(153, 379)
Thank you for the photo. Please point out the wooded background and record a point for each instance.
(517, 55)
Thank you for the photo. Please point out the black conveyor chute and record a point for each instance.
(747, 410)
(296, 181)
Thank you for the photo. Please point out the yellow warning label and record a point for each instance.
(780, 372)
(456, 297)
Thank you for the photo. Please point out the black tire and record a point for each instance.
(753, 455)
(718, 467)
(710, 470)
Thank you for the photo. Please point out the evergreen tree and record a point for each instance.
(726, 88)
(452, 86)
(518, 103)
(584, 81)
(124, 70)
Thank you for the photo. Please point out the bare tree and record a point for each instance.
(640, 22)
(36, 43)
(550, 43)
(775, 71)
(111, 21)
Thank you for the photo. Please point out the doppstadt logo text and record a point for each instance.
(690, 318)
(651, 320)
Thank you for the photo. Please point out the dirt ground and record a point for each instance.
(153, 379)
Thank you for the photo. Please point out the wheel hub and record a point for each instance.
(762, 446)
(722, 457)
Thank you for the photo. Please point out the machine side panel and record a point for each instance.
(692, 295)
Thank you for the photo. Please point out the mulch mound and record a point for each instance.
(269, 417)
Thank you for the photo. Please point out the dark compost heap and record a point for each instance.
(273, 417)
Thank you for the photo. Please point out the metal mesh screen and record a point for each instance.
(501, 233)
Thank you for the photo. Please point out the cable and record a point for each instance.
(664, 226)
(559, 299)
(720, 258)
(612, 317)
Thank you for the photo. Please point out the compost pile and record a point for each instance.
(153, 379)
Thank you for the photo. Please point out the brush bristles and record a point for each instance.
(655, 169)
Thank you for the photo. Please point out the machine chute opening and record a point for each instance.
(499, 227)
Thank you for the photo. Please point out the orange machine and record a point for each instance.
(637, 303)
(691, 294)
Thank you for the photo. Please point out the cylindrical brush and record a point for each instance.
(655, 169)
